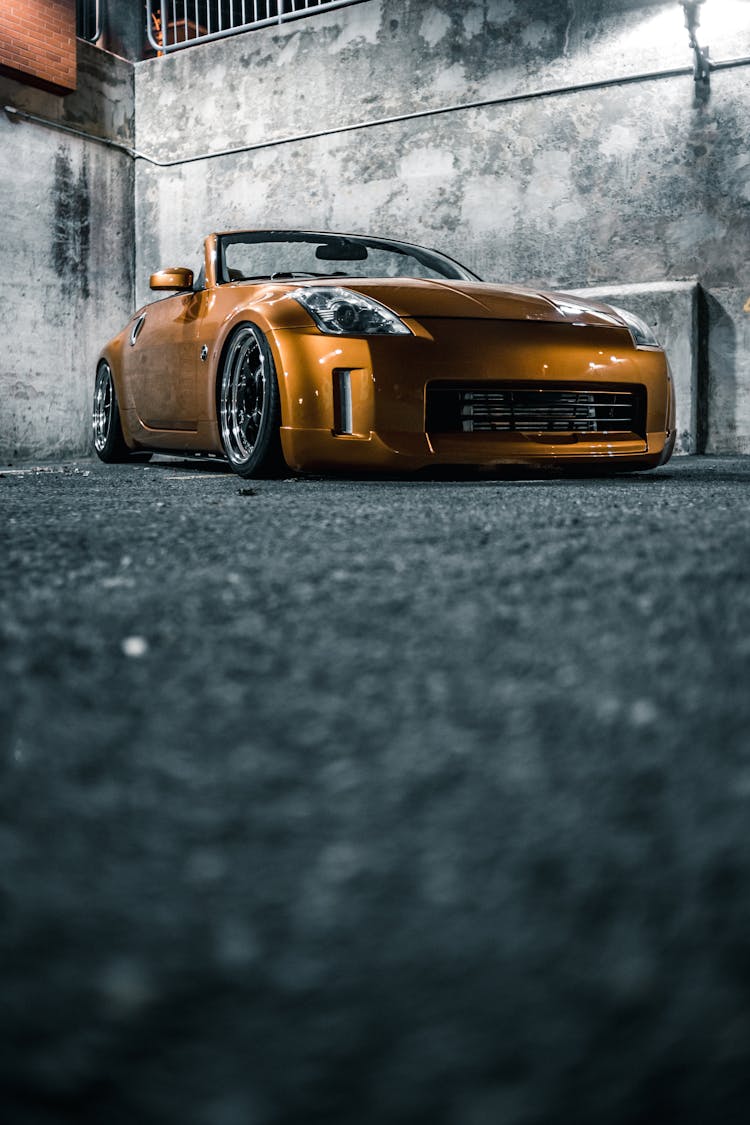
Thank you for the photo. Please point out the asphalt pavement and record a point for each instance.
(375, 801)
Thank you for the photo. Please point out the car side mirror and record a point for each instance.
(175, 278)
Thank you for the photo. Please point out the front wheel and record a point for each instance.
(109, 443)
(248, 405)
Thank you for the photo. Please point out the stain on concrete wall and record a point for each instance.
(71, 241)
(68, 204)
(630, 184)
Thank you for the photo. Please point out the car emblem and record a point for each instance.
(204, 353)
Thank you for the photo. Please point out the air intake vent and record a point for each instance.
(528, 408)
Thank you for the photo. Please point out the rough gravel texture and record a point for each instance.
(374, 801)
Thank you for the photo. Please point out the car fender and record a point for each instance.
(112, 355)
(272, 318)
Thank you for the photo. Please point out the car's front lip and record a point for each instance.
(408, 452)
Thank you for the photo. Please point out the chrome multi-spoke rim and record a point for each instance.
(243, 395)
(104, 406)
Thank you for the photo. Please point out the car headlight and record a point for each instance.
(642, 335)
(341, 312)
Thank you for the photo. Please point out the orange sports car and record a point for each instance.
(337, 351)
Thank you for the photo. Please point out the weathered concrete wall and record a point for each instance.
(68, 213)
(625, 185)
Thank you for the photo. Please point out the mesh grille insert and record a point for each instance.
(528, 408)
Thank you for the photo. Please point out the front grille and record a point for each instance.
(529, 408)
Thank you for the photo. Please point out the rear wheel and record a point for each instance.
(248, 405)
(109, 443)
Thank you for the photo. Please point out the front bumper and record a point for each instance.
(387, 381)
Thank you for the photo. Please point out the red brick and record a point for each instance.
(38, 44)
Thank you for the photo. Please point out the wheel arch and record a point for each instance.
(109, 356)
(220, 351)
(264, 455)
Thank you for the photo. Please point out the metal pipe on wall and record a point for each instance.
(395, 119)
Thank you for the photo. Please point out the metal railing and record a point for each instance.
(173, 24)
(88, 19)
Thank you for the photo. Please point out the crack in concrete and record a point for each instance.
(572, 14)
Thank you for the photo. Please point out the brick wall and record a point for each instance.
(38, 43)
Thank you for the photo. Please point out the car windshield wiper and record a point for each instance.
(288, 275)
(306, 273)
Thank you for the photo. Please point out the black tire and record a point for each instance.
(248, 405)
(109, 444)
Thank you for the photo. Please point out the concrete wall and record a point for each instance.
(68, 214)
(623, 185)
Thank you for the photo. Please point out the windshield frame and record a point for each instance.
(431, 259)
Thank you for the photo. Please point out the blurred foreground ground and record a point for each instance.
(374, 801)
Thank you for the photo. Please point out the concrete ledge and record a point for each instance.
(671, 309)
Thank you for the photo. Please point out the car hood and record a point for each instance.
(474, 300)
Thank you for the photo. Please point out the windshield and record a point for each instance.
(257, 255)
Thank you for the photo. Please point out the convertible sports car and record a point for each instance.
(333, 351)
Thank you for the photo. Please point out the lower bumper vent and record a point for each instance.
(528, 408)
